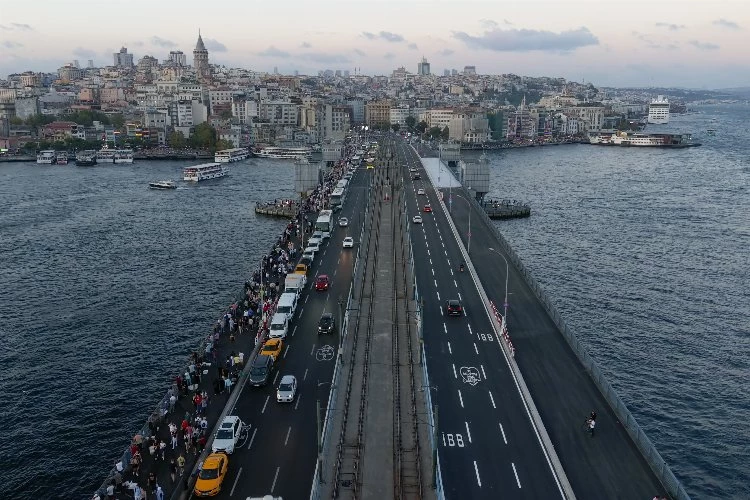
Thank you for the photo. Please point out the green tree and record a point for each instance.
(422, 127)
(410, 122)
(204, 137)
(395, 127)
(434, 132)
(177, 140)
(445, 133)
(224, 144)
(16, 121)
(117, 121)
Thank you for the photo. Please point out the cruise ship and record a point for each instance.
(282, 152)
(231, 155)
(123, 156)
(640, 139)
(658, 111)
(46, 157)
(205, 172)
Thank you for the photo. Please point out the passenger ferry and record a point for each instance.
(639, 139)
(105, 155)
(46, 157)
(658, 111)
(86, 158)
(282, 152)
(123, 156)
(62, 158)
(231, 155)
(205, 172)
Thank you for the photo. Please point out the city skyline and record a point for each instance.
(682, 44)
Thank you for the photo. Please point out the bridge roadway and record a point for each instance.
(279, 455)
(605, 466)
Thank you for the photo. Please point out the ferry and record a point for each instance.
(123, 156)
(46, 157)
(86, 158)
(658, 111)
(231, 155)
(282, 152)
(640, 139)
(205, 172)
(105, 155)
(62, 158)
(162, 185)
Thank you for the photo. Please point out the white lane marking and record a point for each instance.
(445, 328)
(252, 438)
(470, 332)
(302, 309)
(265, 404)
(451, 270)
(449, 264)
(459, 294)
(231, 492)
(464, 309)
(295, 329)
(450, 351)
(461, 398)
(430, 261)
(475, 348)
(433, 271)
(275, 477)
(338, 261)
(455, 284)
(297, 403)
(483, 374)
(455, 375)
(435, 281)
(312, 350)
(428, 253)
(286, 350)
(441, 242)
(503, 432)
(476, 469)
(275, 377)
(441, 312)
(438, 294)
(468, 432)
(307, 298)
(289, 431)
(492, 400)
(427, 244)
(304, 377)
(518, 481)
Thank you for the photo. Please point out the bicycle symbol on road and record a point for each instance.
(470, 375)
(325, 353)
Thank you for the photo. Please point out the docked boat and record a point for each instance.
(123, 156)
(640, 139)
(162, 185)
(282, 152)
(62, 158)
(231, 155)
(658, 111)
(46, 157)
(205, 172)
(105, 155)
(86, 158)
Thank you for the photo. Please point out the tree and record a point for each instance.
(177, 140)
(410, 122)
(204, 137)
(422, 127)
(224, 144)
(15, 121)
(434, 132)
(395, 127)
(445, 133)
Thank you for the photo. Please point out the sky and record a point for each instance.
(671, 43)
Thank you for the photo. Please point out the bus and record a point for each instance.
(323, 224)
(342, 184)
(337, 198)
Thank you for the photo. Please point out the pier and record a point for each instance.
(505, 209)
(287, 209)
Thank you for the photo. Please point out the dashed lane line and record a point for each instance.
(275, 377)
(304, 377)
(445, 328)
(483, 374)
(461, 398)
(252, 438)
(286, 350)
(231, 492)
(275, 477)
(468, 432)
(476, 470)
(475, 348)
(503, 433)
(459, 294)
(455, 375)
(435, 281)
(450, 351)
(294, 330)
(492, 400)
(297, 403)
(288, 431)
(515, 473)
(433, 271)
(470, 332)
(438, 294)
(455, 284)
(312, 351)
(265, 404)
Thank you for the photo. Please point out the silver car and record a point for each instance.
(287, 389)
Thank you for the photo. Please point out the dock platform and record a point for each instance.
(505, 209)
(274, 209)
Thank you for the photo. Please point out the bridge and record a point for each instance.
(407, 401)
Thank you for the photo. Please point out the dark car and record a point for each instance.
(453, 308)
(306, 261)
(261, 370)
(327, 323)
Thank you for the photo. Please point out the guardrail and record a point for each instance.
(659, 467)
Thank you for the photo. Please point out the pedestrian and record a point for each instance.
(159, 493)
(174, 439)
(162, 450)
(152, 482)
(592, 426)
(173, 470)
(180, 465)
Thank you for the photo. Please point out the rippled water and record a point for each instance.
(105, 288)
(646, 253)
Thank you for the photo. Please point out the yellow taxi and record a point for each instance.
(211, 475)
(301, 269)
(272, 348)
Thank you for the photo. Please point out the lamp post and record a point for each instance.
(468, 236)
(505, 302)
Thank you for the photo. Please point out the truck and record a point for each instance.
(295, 283)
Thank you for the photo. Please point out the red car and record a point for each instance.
(427, 208)
(322, 282)
(453, 308)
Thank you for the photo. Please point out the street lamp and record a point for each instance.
(468, 236)
(505, 302)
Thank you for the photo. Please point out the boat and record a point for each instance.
(123, 156)
(46, 157)
(162, 185)
(658, 111)
(86, 158)
(205, 172)
(105, 155)
(640, 139)
(231, 155)
(62, 158)
(289, 153)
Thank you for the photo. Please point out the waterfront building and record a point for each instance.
(122, 59)
(469, 127)
(334, 121)
(439, 117)
(200, 61)
(59, 131)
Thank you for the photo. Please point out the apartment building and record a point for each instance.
(378, 113)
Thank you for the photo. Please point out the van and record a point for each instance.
(279, 326)
(294, 283)
(287, 304)
(301, 269)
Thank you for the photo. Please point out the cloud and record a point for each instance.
(704, 45)
(9, 44)
(488, 23)
(446, 52)
(724, 23)
(360, 52)
(16, 27)
(81, 52)
(671, 27)
(647, 40)
(384, 35)
(305, 45)
(162, 42)
(136, 44)
(413, 46)
(214, 45)
(514, 40)
(273, 52)
(320, 57)
(389, 55)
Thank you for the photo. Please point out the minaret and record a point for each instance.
(200, 61)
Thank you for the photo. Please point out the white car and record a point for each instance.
(228, 434)
(343, 222)
(348, 242)
(313, 246)
(417, 219)
(316, 238)
(287, 389)
(420, 191)
(309, 254)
